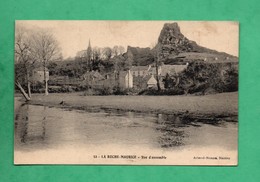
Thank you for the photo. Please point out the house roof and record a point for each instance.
(139, 68)
(151, 80)
(153, 69)
(123, 73)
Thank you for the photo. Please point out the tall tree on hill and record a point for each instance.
(45, 48)
(118, 50)
(121, 50)
(89, 55)
(107, 53)
(96, 58)
(96, 53)
(115, 50)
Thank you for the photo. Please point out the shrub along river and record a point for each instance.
(49, 135)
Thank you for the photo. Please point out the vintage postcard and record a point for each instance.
(126, 92)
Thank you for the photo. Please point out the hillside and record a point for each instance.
(139, 56)
(177, 49)
(206, 57)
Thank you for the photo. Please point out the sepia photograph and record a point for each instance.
(126, 92)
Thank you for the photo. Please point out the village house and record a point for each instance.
(38, 74)
(140, 70)
(144, 76)
(143, 71)
(125, 79)
(152, 70)
(111, 79)
(151, 83)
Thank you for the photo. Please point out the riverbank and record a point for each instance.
(220, 105)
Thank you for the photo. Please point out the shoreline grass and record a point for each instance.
(224, 104)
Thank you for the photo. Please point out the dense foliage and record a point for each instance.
(208, 77)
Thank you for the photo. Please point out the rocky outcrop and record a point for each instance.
(173, 42)
(175, 48)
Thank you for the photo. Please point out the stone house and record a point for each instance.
(151, 83)
(144, 76)
(152, 70)
(143, 71)
(140, 70)
(125, 79)
(38, 74)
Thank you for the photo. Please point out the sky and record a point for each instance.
(73, 36)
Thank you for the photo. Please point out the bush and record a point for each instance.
(172, 91)
(99, 91)
(106, 91)
(199, 77)
(89, 92)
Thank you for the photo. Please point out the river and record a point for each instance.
(49, 135)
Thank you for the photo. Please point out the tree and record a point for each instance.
(24, 60)
(107, 53)
(121, 50)
(128, 63)
(96, 57)
(89, 55)
(118, 50)
(96, 53)
(45, 48)
(81, 54)
(167, 81)
(115, 50)
(157, 58)
(118, 63)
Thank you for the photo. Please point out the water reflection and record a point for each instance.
(44, 127)
(170, 127)
(30, 128)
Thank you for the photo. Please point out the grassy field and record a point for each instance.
(217, 104)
